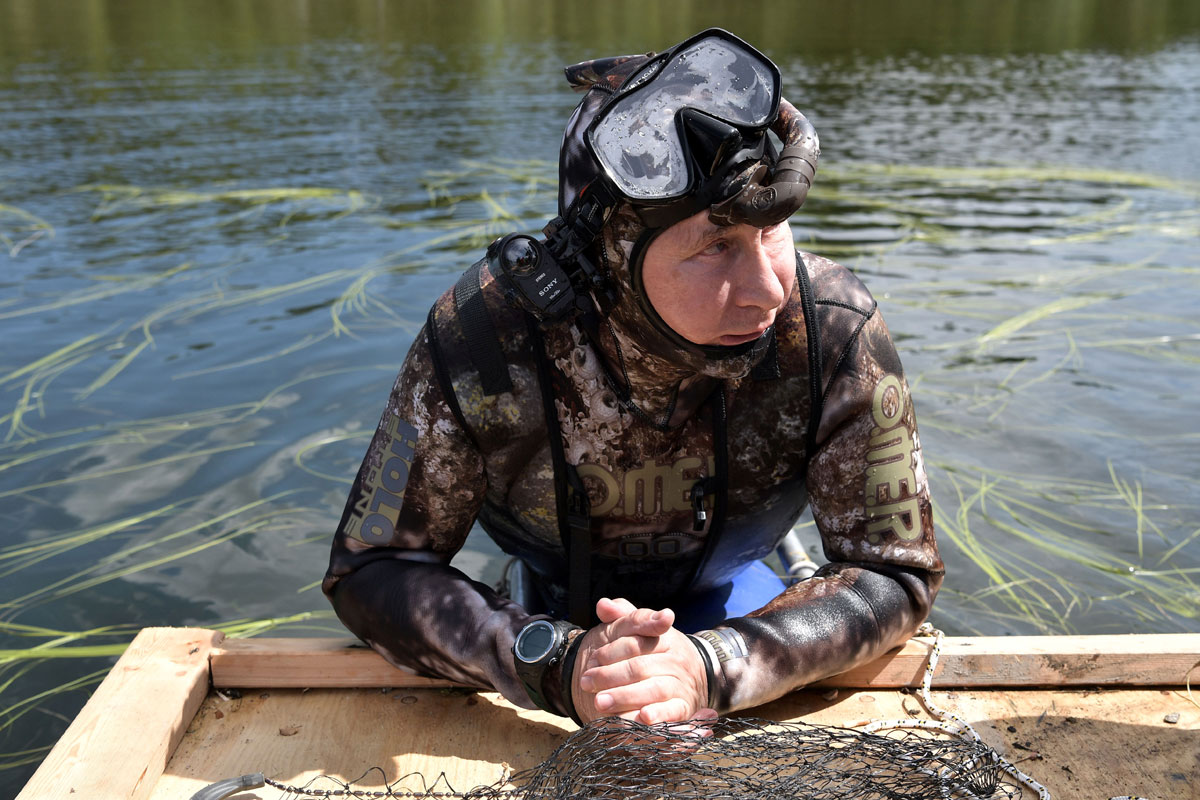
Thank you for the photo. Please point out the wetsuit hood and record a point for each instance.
(733, 169)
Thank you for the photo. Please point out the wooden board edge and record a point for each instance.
(1011, 661)
(119, 743)
(309, 664)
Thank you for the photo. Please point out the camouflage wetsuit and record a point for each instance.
(644, 419)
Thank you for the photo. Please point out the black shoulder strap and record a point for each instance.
(815, 366)
(718, 482)
(439, 369)
(482, 341)
(571, 499)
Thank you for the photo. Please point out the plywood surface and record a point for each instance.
(1080, 743)
(295, 735)
(1132, 660)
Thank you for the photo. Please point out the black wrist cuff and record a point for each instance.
(568, 675)
(710, 671)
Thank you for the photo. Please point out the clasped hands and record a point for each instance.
(636, 665)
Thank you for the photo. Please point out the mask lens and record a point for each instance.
(636, 140)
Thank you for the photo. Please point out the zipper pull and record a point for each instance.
(699, 515)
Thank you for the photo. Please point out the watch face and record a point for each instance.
(535, 641)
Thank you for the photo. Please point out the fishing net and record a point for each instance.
(729, 758)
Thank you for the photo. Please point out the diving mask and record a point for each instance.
(682, 133)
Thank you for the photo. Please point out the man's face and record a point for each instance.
(719, 285)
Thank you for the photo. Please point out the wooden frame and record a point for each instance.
(119, 744)
(969, 661)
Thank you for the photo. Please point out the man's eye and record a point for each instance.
(715, 249)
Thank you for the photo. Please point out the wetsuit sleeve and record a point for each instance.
(870, 499)
(412, 504)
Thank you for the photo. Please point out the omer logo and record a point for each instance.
(377, 511)
(650, 489)
(890, 475)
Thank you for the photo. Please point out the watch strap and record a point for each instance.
(546, 695)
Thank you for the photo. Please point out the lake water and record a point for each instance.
(222, 224)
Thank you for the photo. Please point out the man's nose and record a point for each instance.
(758, 286)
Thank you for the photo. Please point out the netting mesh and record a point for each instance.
(738, 758)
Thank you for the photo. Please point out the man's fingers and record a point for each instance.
(610, 610)
(654, 623)
(641, 622)
(632, 696)
(674, 709)
(625, 647)
(622, 672)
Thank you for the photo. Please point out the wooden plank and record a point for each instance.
(119, 744)
(1160, 659)
(308, 664)
(1112, 660)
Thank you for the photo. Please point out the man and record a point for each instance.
(638, 408)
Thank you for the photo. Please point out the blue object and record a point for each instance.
(751, 589)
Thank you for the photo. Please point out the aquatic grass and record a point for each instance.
(62, 588)
(105, 568)
(990, 176)
(43, 653)
(223, 300)
(1180, 225)
(120, 200)
(44, 371)
(305, 620)
(1013, 325)
(29, 227)
(108, 473)
(1185, 541)
(918, 206)
(958, 529)
(15, 558)
(82, 344)
(118, 285)
(1057, 521)
(38, 373)
(322, 441)
(115, 369)
(63, 644)
(305, 342)
(154, 430)
(356, 299)
(1008, 505)
(20, 758)
(451, 187)
(12, 713)
(151, 430)
(1084, 334)
(40, 632)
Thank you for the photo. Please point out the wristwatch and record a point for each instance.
(539, 646)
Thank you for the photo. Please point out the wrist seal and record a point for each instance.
(710, 667)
